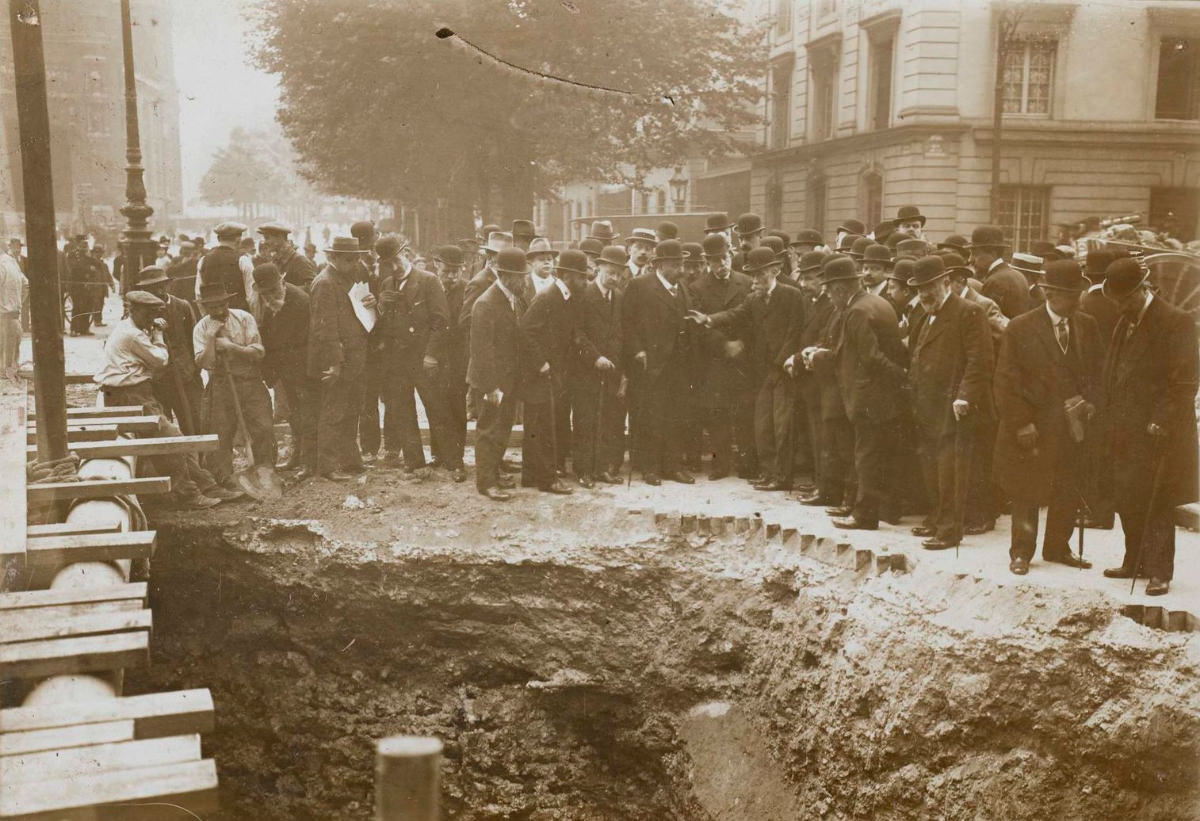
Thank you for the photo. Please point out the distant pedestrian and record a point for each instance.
(13, 286)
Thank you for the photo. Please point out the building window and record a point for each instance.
(826, 8)
(1029, 75)
(774, 201)
(1023, 213)
(783, 17)
(873, 199)
(1178, 96)
(660, 204)
(824, 63)
(781, 104)
(880, 92)
(816, 203)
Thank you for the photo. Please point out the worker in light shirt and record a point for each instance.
(13, 286)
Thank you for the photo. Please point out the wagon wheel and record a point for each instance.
(1176, 278)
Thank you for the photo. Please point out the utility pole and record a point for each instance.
(137, 248)
(45, 297)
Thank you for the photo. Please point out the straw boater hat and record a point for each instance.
(641, 235)
(1027, 263)
(540, 246)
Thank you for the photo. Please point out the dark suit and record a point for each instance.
(495, 363)
(221, 264)
(1033, 380)
(1099, 481)
(336, 337)
(725, 384)
(547, 339)
(1151, 375)
(829, 429)
(951, 359)
(285, 340)
(774, 325)
(413, 319)
(1008, 289)
(453, 375)
(870, 360)
(657, 325)
(183, 279)
(598, 409)
(296, 268)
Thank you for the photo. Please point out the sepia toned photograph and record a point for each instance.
(599, 410)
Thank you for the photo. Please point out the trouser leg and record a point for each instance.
(221, 420)
(433, 398)
(537, 450)
(743, 433)
(1149, 539)
(492, 430)
(1065, 504)
(981, 492)
(869, 468)
(837, 447)
(403, 431)
(585, 393)
(260, 423)
(783, 402)
(718, 420)
(764, 432)
(1023, 543)
(369, 427)
(612, 429)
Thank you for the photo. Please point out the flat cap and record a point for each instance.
(229, 229)
(145, 298)
(276, 228)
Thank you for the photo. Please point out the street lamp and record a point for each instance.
(138, 249)
(679, 185)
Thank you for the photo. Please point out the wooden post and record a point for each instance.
(407, 778)
(45, 298)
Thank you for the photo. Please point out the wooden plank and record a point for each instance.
(97, 488)
(90, 547)
(151, 446)
(65, 528)
(51, 626)
(88, 654)
(154, 715)
(61, 738)
(12, 496)
(98, 758)
(132, 423)
(11, 620)
(97, 412)
(100, 433)
(70, 378)
(71, 595)
(183, 784)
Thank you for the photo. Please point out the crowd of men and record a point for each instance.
(880, 374)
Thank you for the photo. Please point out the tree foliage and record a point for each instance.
(253, 168)
(378, 106)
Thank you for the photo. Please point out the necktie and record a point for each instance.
(1063, 333)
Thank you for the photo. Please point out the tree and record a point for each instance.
(378, 104)
(248, 172)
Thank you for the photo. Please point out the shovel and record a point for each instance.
(258, 484)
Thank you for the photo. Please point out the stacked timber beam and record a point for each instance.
(71, 743)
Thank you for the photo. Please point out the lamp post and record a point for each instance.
(137, 248)
(679, 185)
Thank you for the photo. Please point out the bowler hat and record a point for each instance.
(956, 242)
(774, 243)
(717, 222)
(1122, 277)
(229, 229)
(883, 230)
(345, 245)
(1064, 275)
(811, 261)
(748, 224)
(926, 270)
(145, 299)
(1097, 263)
(364, 230)
(853, 227)
(715, 245)
(572, 262)
(523, 229)
(667, 230)
(614, 254)
(988, 236)
(151, 275)
(837, 268)
(694, 251)
(641, 235)
(1045, 249)
(497, 241)
(911, 248)
(591, 246)
(783, 235)
(389, 246)
(858, 248)
(902, 270)
(808, 236)
(212, 292)
(908, 213)
(602, 230)
(956, 264)
(1027, 263)
(878, 253)
(266, 274)
(846, 241)
(486, 231)
(511, 261)
(667, 249)
(274, 228)
(540, 245)
(450, 255)
(761, 258)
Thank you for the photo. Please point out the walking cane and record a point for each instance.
(599, 423)
(1159, 473)
(1083, 513)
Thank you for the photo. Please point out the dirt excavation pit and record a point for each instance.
(583, 662)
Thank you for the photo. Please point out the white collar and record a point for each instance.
(1054, 318)
(670, 288)
(563, 289)
(1142, 313)
(512, 299)
(771, 290)
(995, 262)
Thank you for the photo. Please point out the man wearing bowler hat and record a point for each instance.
(658, 345)
(876, 262)
(910, 222)
(748, 232)
(951, 378)
(1047, 387)
(494, 369)
(1001, 283)
(1151, 374)
(772, 316)
(523, 233)
(719, 223)
(452, 372)
(296, 268)
(337, 359)
(1094, 303)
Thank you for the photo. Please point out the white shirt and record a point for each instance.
(131, 355)
(563, 289)
(541, 283)
(12, 284)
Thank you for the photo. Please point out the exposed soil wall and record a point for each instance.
(581, 664)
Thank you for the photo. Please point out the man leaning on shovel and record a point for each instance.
(236, 401)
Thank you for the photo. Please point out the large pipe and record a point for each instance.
(407, 778)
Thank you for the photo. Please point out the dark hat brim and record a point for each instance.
(826, 280)
(713, 229)
(1083, 284)
(914, 282)
(754, 270)
(212, 300)
(1108, 292)
(522, 272)
(156, 281)
(560, 269)
(896, 222)
(681, 258)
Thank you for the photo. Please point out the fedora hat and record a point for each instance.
(523, 229)
(667, 230)
(717, 222)
(988, 236)
(1122, 277)
(511, 261)
(213, 292)
(614, 255)
(926, 270)
(572, 262)
(497, 241)
(602, 230)
(760, 259)
(878, 253)
(748, 224)
(591, 246)
(902, 270)
(853, 227)
(810, 261)
(540, 245)
(344, 245)
(641, 235)
(486, 230)
(715, 245)
(837, 268)
(808, 236)
(908, 213)
(694, 251)
(1027, 263)
(151, 275)
(1064, 275)
(667, 249)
